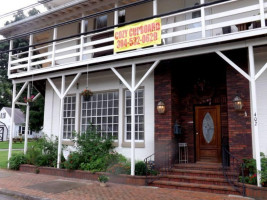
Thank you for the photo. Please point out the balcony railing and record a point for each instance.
(199, 25)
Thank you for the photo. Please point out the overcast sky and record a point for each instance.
(10, 5)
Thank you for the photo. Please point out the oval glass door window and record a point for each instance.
(208, 127)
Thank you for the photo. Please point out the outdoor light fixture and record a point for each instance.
(238, 104)
(161, 107)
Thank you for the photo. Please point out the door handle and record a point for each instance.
(196, 133)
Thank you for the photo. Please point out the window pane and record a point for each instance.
(69, 117)
(104, 112)
(139, 114)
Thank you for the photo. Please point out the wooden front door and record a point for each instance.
(208, 133)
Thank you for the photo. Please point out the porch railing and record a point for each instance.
(233, 170)
(166, 158)
(180, 29)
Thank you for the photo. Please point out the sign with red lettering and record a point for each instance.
(138, 35)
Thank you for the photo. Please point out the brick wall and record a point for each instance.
(239, 125)
(175, 84)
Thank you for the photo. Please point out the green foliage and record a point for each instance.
(36, 112)
(140, 168)
(43, 152)
(120, 168)
(103, 178)
(73, 161)
(17, 160)
(92, 146)
(97, 165)
(250, 166)
(33, 12)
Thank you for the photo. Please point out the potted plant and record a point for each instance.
(29, 100)
(103, 179)
(86, 94)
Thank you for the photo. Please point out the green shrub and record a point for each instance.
(97, 165)
(120, 168)
(103, 178)
(140, 168)
(73, 161)
(250, 166)
(43, 152)
(92, 146)
(16, 160)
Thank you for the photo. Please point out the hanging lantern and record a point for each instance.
(161, 107)
(238, 104)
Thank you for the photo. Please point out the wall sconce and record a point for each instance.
(238, 104)
(161, 107)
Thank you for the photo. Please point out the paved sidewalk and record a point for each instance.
(37, 186)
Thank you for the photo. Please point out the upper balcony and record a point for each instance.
(89, 40)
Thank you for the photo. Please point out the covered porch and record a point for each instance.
(219, 77)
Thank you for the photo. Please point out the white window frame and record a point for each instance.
(69, 118)
(136, 114)
(115, 117)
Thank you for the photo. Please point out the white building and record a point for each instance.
(208, 53)
(19, 124)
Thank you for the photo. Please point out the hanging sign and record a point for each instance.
(138, 35)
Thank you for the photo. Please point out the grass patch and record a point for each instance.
(17, 145)
(3, 158)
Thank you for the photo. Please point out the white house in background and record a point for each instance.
(19, 124)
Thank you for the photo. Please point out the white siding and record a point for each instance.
(105, 81)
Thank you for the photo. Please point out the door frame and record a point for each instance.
(197, 147)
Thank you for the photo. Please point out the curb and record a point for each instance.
(20, 195)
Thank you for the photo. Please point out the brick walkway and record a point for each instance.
(37, 185)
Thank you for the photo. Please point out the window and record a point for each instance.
(22, 130)
(3, 115)
(102, 112)
(101, 22)
(69, 117)
(121, 16)
(139, 115)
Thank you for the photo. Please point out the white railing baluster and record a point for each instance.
(261, 2)
(10, 57)
(82, 39)
(54, 47)
(30, 53)
(203, 22)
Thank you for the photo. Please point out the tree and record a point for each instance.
(36, 111)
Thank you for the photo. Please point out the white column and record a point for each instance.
(12, 123)
(30, 53)
(10, 56)
(60, 135)
(133, 121)
(54, 47)
(155, 7)
(262, 13)
(254, 123)
(27, 121)
(116, 15)
(203, 22)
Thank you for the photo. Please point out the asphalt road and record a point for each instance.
(5, 197)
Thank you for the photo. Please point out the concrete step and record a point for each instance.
(195, 187)
(200, 173)
(195, 179)
(199, 166)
